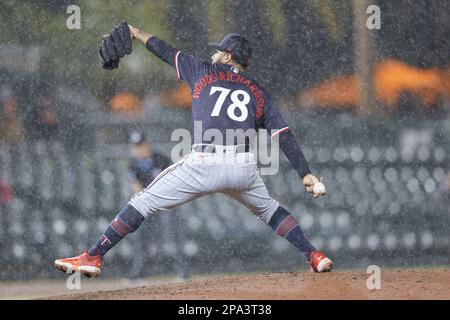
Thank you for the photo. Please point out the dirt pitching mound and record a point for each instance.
(395, 284)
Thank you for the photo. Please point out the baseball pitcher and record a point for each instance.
(224, 97)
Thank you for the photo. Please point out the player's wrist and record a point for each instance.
(133, 32)
(309, 180)
(143, 36)
(304, 174)
(131, 28)
(309, 177)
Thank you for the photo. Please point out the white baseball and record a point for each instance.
(319, 188)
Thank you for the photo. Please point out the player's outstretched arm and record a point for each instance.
(295, 155)
(185, 65)
(140, 35)
(155, 45)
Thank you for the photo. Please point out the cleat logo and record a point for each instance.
(104, 240)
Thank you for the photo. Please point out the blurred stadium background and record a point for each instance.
(371, 110)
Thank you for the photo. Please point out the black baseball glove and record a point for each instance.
(115, 46)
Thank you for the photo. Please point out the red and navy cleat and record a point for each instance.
(320, 263)
(87, 265)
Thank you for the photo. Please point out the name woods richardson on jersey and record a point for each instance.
(264, 144)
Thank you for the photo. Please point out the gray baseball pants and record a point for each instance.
(201, 173)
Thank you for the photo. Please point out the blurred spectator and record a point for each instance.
(41, 119)
(11, 130)
(145, 166)
(6, 193)
(47, 122)
(447, 183)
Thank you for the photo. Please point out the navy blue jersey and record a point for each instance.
(222, 96)
(225, 98)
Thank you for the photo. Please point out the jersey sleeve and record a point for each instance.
(185, 65)
(272, 120)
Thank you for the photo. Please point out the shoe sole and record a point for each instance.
(326, 265)
(87, 271)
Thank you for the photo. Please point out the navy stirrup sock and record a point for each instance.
(127, 221)
(285, 225)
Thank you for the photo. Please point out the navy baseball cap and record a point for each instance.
(137, 137)
(238, 46)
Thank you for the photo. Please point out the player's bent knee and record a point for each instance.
(147, 204)
(142, 205)
(266, 213)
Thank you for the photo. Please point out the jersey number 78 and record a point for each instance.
(237, 103)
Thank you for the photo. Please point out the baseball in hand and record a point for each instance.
(319, 188)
